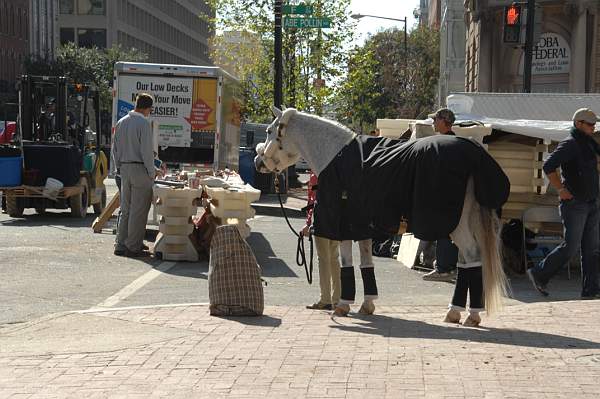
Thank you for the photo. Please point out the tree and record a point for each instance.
(82, 64)
(309, 54)
(385, 81)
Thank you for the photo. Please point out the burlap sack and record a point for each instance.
(234, 283)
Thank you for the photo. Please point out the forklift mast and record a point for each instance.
(37, 122)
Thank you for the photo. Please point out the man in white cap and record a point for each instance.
(578, 190)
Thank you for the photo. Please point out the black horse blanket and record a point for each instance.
(373, 183)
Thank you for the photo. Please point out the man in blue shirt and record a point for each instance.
(578, 193)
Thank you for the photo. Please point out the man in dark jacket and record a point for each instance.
(578, 192)
(446, 253)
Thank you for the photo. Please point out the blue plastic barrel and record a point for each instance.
(247, 169)
(10, 171)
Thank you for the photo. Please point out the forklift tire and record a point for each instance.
(14, 206)
(99, 206)
(79, 202)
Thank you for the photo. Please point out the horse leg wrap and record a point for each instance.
(369, 282)
(348, 285)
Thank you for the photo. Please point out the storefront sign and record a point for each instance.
(551, 55)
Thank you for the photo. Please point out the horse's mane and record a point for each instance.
(318, 139)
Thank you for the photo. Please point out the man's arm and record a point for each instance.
(114, 151)
(563, 153)
(147, 148)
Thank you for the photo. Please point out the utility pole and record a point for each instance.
(528, 46)
(278, 84)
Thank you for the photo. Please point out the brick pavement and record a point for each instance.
(542, 350)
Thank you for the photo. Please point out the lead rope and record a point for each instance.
(300, 251)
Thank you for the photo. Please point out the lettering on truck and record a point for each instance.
(164, 111)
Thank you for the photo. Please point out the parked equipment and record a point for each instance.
(58, 137)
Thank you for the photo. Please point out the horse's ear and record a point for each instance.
(276, 111)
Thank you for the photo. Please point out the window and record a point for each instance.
(67, 6)
(91, 7)
(92, 37)
(67, 35)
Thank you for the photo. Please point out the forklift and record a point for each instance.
(59, 135)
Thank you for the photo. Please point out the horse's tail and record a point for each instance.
(495, 284)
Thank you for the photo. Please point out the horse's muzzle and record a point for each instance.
(259, 164)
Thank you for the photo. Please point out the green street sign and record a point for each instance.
(297, 9)
(307, 22)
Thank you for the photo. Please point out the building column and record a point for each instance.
(578, 52)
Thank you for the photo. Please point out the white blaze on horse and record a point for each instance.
(439, 186)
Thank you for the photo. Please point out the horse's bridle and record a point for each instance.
(300, 251)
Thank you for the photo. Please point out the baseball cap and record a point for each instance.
(585, 115)
(443, 113)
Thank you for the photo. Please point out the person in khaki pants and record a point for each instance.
(133, 155)
(327, 255)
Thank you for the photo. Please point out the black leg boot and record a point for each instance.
(370, 290)
(348, 291)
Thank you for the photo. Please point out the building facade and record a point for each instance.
(565, 59)
(14, 43)
(448, 17)
(43, 18)
(168, 31)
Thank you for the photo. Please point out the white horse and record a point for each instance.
(319, 141)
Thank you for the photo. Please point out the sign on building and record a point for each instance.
(551, 55)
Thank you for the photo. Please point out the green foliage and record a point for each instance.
(86, 65)
(386, 81)
(308, 54)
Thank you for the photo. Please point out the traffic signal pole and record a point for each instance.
(528, 46)
(278, 82)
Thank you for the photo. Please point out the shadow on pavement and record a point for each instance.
(270, 264)
(560, 288)
(190, 269)
(260, 321)
(53, 219)
(390, 327)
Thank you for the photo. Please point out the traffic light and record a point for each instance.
(512, 23)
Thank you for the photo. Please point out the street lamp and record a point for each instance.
(359, 16)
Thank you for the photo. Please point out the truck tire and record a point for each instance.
(79, 203)
(14, 206)
(99, 206)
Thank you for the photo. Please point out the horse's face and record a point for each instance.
(278, 151)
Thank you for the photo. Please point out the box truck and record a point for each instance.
(196, 112)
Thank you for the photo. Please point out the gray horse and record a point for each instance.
(437, 186)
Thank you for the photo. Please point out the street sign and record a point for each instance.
(297, 9)
(307, 23)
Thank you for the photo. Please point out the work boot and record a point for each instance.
(541, 288)
(437, 276)
(320, 306)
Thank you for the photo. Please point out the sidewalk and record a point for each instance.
(545, 350)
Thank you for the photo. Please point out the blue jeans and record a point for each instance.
(580, 223)
(446, 255)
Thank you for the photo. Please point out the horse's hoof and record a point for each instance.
(472, 321)
(367, 308)
(453, 316)
(341, 310)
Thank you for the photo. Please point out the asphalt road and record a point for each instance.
(55, 263)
